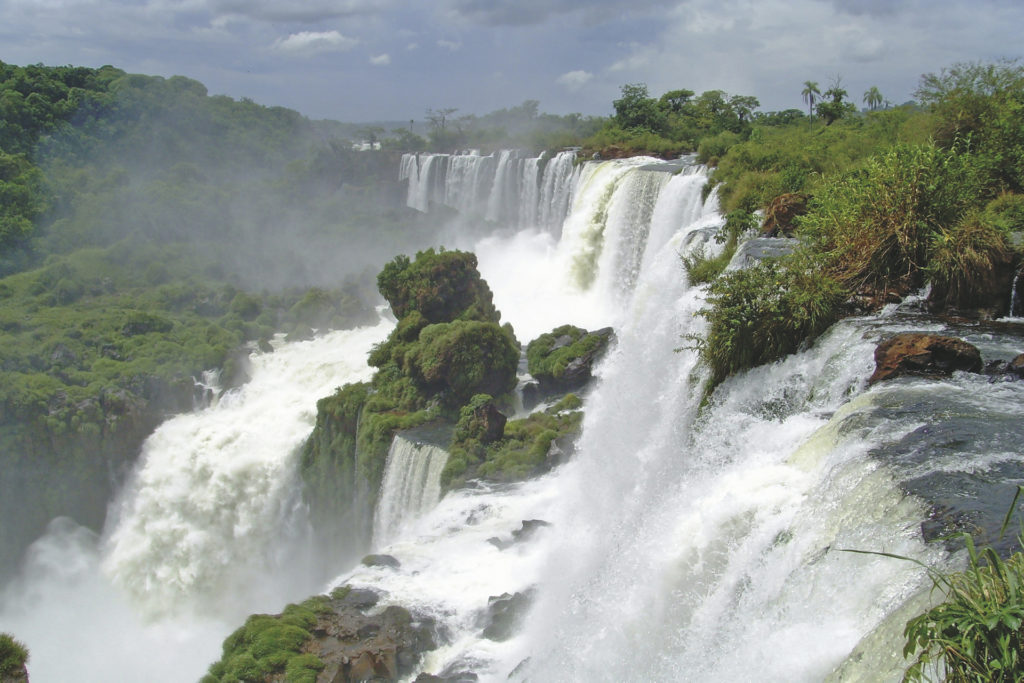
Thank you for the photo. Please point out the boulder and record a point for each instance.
(388, 561)
(755, 250)
(915, 353)
(504, 614)
(563, 359)
(779, 217)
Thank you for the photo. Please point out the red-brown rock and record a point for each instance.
(778, 218)
(915, 353)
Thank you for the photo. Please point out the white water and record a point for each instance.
(683, 546)
(206, 533)
(411, 486)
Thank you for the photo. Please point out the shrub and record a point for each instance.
(700, 268)
(760, 314)
(975, 634)
(13, 656)
(876, 223)
(966, 262)
(443, 286)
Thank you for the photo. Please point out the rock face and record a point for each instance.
(505, 613)
(915, 353)
(751, 252)
(779, 217)
(355, 646)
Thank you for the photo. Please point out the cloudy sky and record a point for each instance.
(361, 60)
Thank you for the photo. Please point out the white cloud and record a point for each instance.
(449, 45)
(412, 46)
(380, 60)
(312, 42)
(574, 80)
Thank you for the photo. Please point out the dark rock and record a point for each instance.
(505, 613)
(237, 369)
(915, 353)
(492, 422)
(355, 646)
(531, 395)
(781, 212)
(1016, 366)
(562, 360)
(523, 533)
(300, 332)
(264, 345)
(381, 561)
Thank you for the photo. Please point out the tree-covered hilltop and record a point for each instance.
(148, 231)
(881, 205)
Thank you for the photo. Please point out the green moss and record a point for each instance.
(441, 285)
(269, 645)
(520, 453)
(13, 655)
(550, 354)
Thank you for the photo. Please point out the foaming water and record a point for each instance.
(207, 531)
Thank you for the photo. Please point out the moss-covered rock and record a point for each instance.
(441, 285)
(563, 359)
(13, 660)
(330, 636)
(528, 447)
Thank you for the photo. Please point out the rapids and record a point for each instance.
(686, 543)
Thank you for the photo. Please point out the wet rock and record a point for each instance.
(505, 613)
(264, 345)
(491, 422)
(915, 353)
(526, 531)
(755, 250)
(563, 360)
(381, 561)
(780, 215)
(356, 646)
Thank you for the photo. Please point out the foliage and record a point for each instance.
(834, 105)
(441, 286)
(13, 656)
(700, 268)
(760, 314)
(876, 223)
(270, 645)
(964, 262)
(979, 107)
(520, 453)
(975, 633)
(552, 352)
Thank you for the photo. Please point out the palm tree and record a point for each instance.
(873, 98)
(810, 92)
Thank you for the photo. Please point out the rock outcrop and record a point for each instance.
(563, 360)
(915, 353)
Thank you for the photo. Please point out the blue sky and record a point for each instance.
(361, 60)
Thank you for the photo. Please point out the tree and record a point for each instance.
(636, 109)
(873, 98)
(438, 118)
(810, 94)
(834, 106)
(743, 106)
(674, 100)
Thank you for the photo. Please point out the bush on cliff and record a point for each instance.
(442, 286)
(13, 657)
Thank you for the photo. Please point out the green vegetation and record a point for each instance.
(13, 657)
(446, 348)
(271, 646)
(521, 452)
(702, 269)
(898, 197)
(975, 633)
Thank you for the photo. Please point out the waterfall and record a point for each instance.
(411, 486)
(687, 541)
(208, 529)
(508, 188)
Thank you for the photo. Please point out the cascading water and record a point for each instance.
(208, 530)
(686, 543)
(411, 486)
